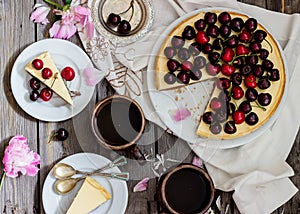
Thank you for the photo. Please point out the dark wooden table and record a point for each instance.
(23, 195)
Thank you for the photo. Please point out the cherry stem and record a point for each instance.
(269, 45)
(51, 138)
(259, 106)
(131, 6)
(2, 179)
(55, 77)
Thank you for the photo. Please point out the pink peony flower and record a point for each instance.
(40, 13)
(141, 185)
(179, 114)
(19, 158)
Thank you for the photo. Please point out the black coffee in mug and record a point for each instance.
(186, 189)
(119, 121)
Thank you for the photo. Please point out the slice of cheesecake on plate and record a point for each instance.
(89, 197)
(55, 82)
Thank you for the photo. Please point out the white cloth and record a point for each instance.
(257, 172)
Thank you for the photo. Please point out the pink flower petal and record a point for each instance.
(141, 185)
(40, 13)
(62, 31)
(93, 76)
(197, 161)
(179, 114)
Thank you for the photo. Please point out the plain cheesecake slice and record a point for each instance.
(90, 196)
(55, 82)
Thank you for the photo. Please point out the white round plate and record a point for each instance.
(58, 204)
(196, 97)
(64, 53)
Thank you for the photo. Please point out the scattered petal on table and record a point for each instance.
(93, 76)
(179, 114)
(141, 185)
(197, 161)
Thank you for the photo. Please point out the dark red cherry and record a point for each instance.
(189, 33)
(237, 92)
(213, 57)
(37, 64)
(251, 24)
(267, 65)
(210, 18)
(215, 128)
(232, 41)
(236, 78)
(227, 69)
(224, 97)
(251, 60)
(245, 70)
(224, 17)
(217, 44)
(212, 31)
(183, 54)
(173, 65)
(213, 69)
(195, 48)
(263, 83)
(183, 77)
(34, 83)
(241, 49)
(221, 115)
(227, 55)
(250, 81)
(200, 62)
(263, 54)
(238, 117)
(251, 119)
(200, 25)
(259, 35)
(237, 24)
(207, 48)
(61, 134)
(229, 127)
(238, 62)
(264, 99)
(202, 37)
(170, 78)
(46, 73)
(170, 52)
(255, 47)
(196, 74)
(113, 20)
(68, 73)
(257, 70)
(223, 83)
(46, 94)
(245, 107)
(124, 27)
(251, 94)
(34, 95)
(274, 75)
(207, 117)
(177, 42)
(225, 31)
(245, 36)
(186, 66)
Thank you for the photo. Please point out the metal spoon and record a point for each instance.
(66, 185)
(63, 170)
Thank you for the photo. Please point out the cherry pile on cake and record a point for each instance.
(44, 71)
(239, 55)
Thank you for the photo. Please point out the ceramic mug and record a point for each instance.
(185, 189)
(118, 122)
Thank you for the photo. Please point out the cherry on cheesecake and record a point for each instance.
(38, 64)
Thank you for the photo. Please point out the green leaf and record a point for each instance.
(68, 2)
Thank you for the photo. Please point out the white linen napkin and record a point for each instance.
(257, 172)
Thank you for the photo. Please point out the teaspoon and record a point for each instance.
(63, 170)
(66, 185)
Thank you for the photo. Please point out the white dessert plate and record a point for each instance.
(64, 53)
(195, 98)
(58, 204)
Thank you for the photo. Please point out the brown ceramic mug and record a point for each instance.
(118, 122)
(185, 189)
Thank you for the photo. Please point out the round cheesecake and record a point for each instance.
(177, 65)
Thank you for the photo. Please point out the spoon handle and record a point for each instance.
(118, 175)
(120, 161)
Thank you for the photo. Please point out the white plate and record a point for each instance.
(188, 96)
(64, 53)
(59, 204)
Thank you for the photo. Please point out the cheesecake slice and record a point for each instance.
(90, 196)
(55, 82)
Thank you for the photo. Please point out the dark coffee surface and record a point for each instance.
(186, 191)
(119, 122)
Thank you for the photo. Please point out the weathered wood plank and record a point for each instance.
(20, 193)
